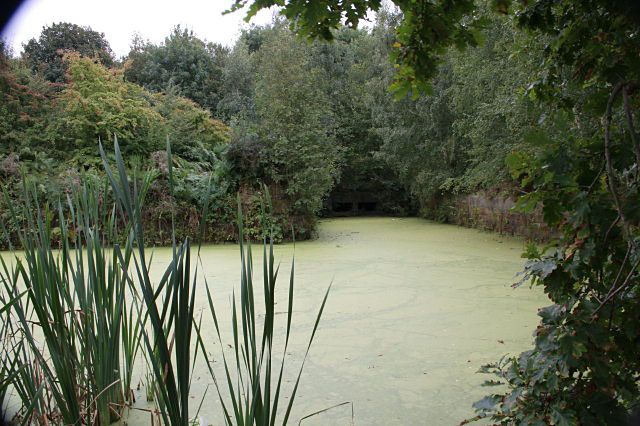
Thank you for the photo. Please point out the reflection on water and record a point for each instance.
(415, 309)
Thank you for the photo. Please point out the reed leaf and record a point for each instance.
(254, 394)
(169, 308)
(78, 315)
(74, 304)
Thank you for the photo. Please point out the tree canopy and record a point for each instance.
(580, 167)
(45, 54)
(426, 30)
(531, 98)
(183, 63)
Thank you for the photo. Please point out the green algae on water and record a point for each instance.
(415, 309)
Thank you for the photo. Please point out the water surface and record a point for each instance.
(415, 309)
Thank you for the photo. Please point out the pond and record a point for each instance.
(415, 309)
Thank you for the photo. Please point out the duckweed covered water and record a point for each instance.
(415, 309)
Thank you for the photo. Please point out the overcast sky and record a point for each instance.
(119, 20)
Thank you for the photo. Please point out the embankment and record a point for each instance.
(491, 211)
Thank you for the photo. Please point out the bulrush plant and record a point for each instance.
(254, 395)
(10, 366)
(255, 391)
(79, 304)
(168, 306)
(75, 360)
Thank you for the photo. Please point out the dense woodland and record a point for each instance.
(304, 120)
(535, 98)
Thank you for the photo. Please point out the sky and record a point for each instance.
(119, 20)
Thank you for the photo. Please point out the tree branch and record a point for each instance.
(595, 180)
(621, 287)
(610, 171)
(632, 131)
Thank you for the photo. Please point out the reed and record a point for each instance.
(168, 307)
(255, 393)
(9, 364)
(79, 304)
(74, 311)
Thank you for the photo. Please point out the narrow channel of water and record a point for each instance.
(416, 308)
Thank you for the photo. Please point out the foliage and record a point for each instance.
(418, 141)
(584, 367)
(553, 89)
(486, 96)
(301, 118)
(456, 140)
(194, 134)
(279, 100)
(426, 30)
(238, 84)
(169, 305)
(96, 104)
(23, 100)
(353, 64)
(10, 367)
(254, 398)
(76, 303)
(183, 62)
(45, 55)
(94, 305)
(295, 122)
(313, 121)
(51, 134)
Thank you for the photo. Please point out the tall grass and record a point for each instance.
(76, 317)
(255, 391)
(9, 363)
(168, 307)
(75, 310)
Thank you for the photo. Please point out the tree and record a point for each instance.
(492, 115)
(238, 85)
(583, 172)
(96, 104)
(455, 140)
(584, 366)
(426, 29)
(194, 134)
(295, 122)
(184, 62)
(24, 107)
(418, 141)
(353, 64)
(45, 55)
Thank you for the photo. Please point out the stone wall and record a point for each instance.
(493, 212)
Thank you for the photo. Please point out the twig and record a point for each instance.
(595, 180)
(607, 154)
(330, 408)
(622, 286)
(606, 235)
(632, 131)
(615, 282)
